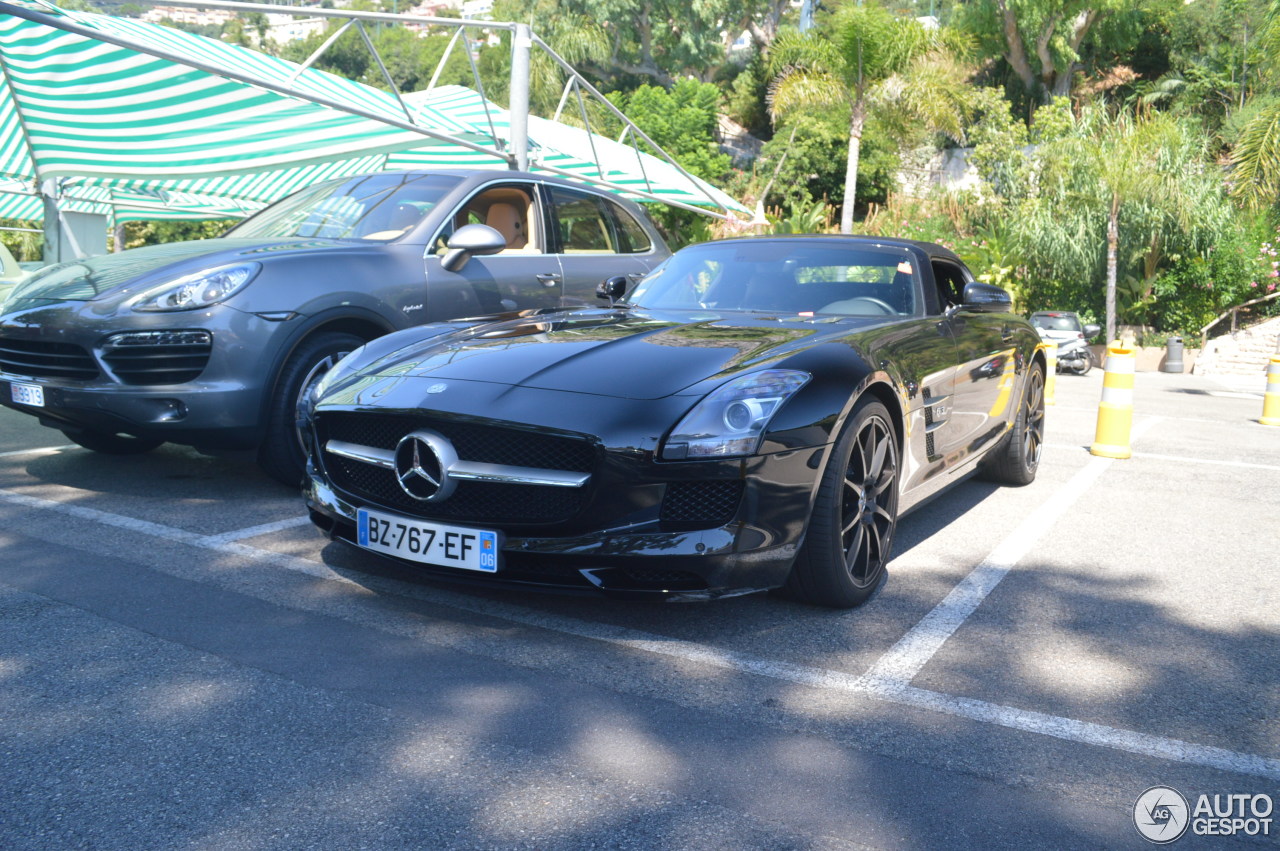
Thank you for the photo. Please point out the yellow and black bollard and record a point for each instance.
(1271, 401)
(1050, 371)
(1115, 412)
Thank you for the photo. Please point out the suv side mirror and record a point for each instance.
(1091, 331)
(986, 298)
(471, 240)
(612, 288)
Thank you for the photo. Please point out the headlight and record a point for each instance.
(731, 420)
(200, 289)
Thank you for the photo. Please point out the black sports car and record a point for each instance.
(757, 413)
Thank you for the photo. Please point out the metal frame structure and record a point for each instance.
(522, 42)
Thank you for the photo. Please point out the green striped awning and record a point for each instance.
(85, 107)
(574, 152)
(147, 121)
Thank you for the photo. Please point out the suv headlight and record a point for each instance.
(731, 419)
(199, 289)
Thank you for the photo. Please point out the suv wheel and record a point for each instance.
(283, 454)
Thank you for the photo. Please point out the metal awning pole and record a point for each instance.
(521, 44)
(52, 221)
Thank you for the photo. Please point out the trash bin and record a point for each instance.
(1172, 355)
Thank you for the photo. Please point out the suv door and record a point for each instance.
(523, 276)
(596, 238)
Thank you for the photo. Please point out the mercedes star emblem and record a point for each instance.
(422, 461)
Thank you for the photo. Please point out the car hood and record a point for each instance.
(118, 275)
(633, 354)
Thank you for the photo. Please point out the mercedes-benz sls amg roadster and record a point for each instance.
(753, 414)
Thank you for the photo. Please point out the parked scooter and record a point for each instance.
(1072, 337)
(1075, 356)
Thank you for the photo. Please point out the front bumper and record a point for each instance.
(218, 405)
(196, 414)
(752, 552)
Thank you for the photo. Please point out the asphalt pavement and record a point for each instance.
(185, 663)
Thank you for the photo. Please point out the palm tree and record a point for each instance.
(1144, 158)
(1256, 179)
(866, 59)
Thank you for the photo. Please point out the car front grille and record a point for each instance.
(711, 503)
(472, 441)
(472, 501)
(46, 359)
(161, 363)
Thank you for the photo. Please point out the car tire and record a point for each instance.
(109, 443)
(282, 454)
(1015, 460)
(846, 548)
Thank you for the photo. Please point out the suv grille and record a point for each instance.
(46, 359)
(701, 503)
(493, 502)
(159, 364)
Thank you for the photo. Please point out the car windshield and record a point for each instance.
(377, 207)
(1055, 321)
(803, 278)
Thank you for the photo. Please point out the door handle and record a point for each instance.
(635, 276)
(548, 279)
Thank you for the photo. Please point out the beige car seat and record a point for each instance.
(507, 220)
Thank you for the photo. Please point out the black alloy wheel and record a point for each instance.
(108, 443)
(850, 536)
(1015, 460)
(283, 452)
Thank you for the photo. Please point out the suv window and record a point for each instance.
(509, 209)
(582, 223)
(634, 238)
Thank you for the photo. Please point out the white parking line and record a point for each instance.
(1181, 459)
(893, 689)
(914, 650)
(44, 450)
(261, 529)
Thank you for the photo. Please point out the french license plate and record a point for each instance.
(27, 394)
(428, 543)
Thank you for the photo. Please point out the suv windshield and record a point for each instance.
(377, 207)
(1056, 321)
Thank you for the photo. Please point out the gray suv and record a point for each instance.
(216, 343)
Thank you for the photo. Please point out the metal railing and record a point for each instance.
(1234, 314)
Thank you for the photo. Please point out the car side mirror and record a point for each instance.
(612, 288)
(986, 298)
(1091, 330)
(468, 241)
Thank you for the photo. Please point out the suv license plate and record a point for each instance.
(27, 394)
(428, 543)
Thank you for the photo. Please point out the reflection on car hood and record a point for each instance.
(635, 354)
(108, 274)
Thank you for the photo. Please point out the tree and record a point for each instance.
(1113, 199)
(868, 55)
(1043, 40)
(1256, 158)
